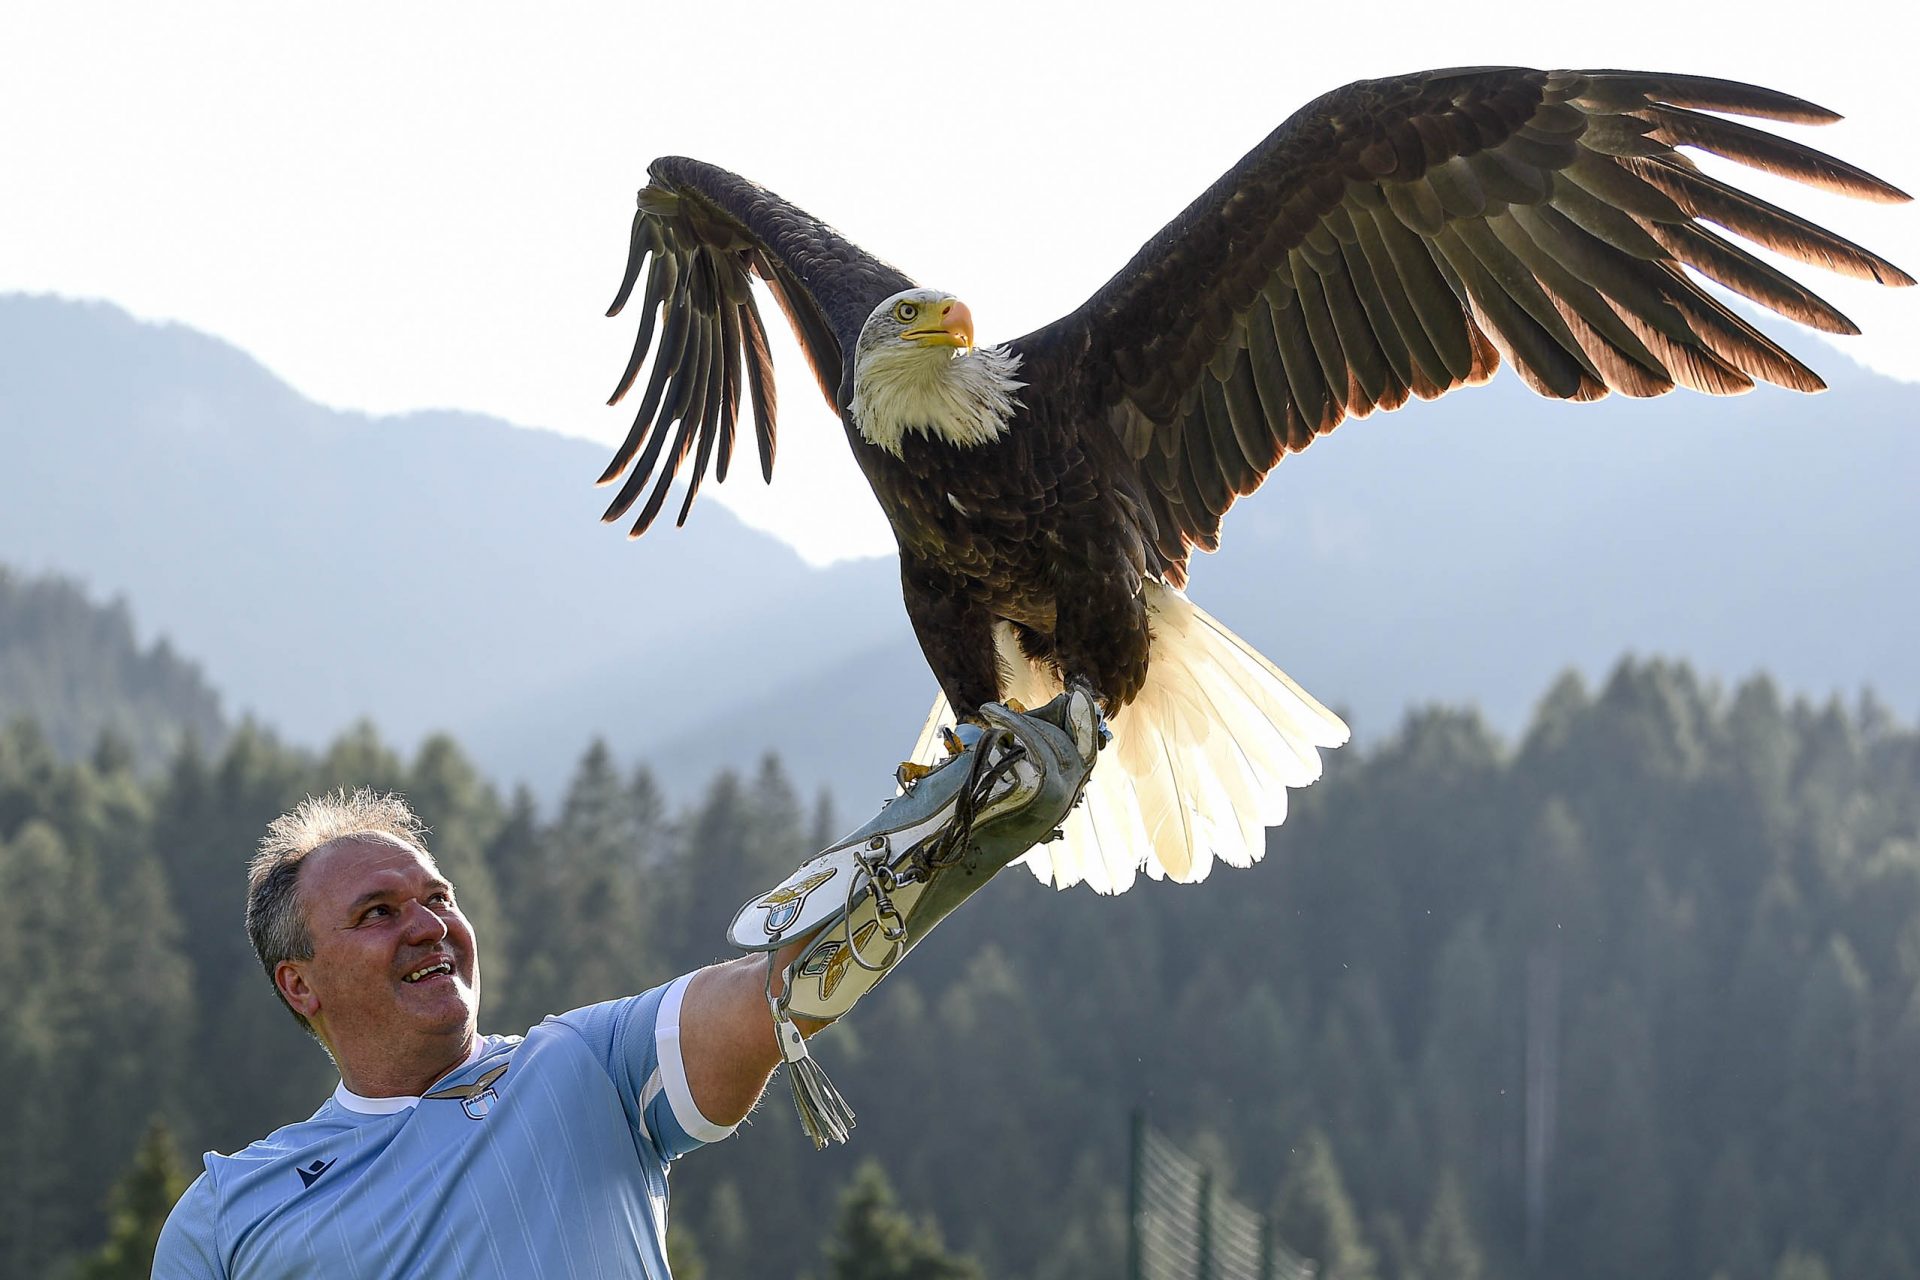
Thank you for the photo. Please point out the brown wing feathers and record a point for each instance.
(1417, 230)
(711, 328)
(1396, 238)
(703, 233)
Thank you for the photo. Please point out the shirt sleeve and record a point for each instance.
(638, 1041)
(189, 1246)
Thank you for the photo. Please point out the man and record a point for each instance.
(444, 1152)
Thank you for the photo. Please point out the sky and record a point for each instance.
(425, 205)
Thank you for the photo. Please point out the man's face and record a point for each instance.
(394, 978)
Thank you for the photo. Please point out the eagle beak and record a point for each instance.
(954, 328)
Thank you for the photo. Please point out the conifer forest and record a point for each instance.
(1634, 995)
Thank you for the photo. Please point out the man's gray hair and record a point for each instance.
(276, 922)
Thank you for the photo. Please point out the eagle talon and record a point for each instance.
(956, 738)
(1088, 718)
(962, 734)
(910, 772)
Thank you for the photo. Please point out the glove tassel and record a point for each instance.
(824, 1114)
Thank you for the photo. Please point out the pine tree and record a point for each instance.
(1728, 1227)
(684, 1258)
(726, 1230)
(464, 814)
(744, 838)
(1616, 1187)
(581, 903)
(1399, 1257)
(1876, 1249)
(1356, 1067)
(1827, 1128)
(1796, 1265)
(358, 758)
(823, 828)
(1317, 1218)
(876, 1240)
(209, 817)
(140, 1203)
(1448, 1250)
(57, 977)
(1464, 1079)
(513, 857)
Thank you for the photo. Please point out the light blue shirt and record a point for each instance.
(553, 1163)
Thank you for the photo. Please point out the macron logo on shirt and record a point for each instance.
(311, 1174)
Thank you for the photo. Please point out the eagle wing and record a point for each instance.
(1398, 237)
(703, 233)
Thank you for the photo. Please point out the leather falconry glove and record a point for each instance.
(877, 892)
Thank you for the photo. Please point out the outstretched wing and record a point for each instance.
(703, 233)
(1398, 237)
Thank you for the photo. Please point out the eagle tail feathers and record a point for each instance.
(1200, 762)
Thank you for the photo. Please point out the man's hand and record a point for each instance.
(879, 891)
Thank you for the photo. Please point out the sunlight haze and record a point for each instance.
(400, 207)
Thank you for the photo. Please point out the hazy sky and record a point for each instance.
(414, 205)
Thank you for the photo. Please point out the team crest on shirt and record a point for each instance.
(476, 1099)
(785, 902)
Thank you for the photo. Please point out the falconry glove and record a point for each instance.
(874, 895)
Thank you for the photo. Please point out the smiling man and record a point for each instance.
(444, 1152)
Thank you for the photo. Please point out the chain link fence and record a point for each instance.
(1181, 1228)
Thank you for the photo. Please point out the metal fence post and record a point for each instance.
(1205, 1225)
(1136, 1159)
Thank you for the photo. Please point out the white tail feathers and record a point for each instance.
(1200, 760)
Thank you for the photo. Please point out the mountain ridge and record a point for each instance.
(444, 570)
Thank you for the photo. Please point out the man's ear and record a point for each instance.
(291, 978)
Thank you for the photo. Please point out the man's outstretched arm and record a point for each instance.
(726, 1034)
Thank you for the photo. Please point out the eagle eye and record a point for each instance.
(905, 312)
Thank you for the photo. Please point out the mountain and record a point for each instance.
(75, 669)
(436, 571)
(447, 570)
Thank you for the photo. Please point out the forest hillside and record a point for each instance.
(1637, 993)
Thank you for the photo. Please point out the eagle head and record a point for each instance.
(915, 369)
(919, 320)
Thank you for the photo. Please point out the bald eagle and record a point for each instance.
(1395, 238)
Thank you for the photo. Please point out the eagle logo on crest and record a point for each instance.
(836, 966)
(476, 1099)
(783, 904)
